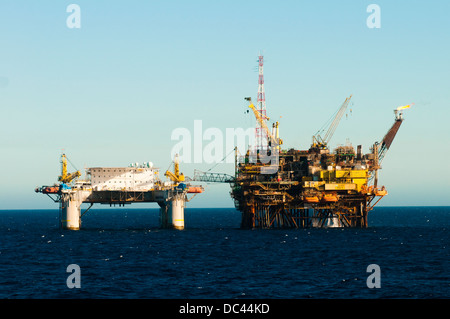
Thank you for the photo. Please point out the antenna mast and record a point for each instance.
(261, 136)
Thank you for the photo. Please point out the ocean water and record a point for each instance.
(122, 253)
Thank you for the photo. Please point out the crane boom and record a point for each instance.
(336, 120)
(323, 142)
(65, 177)
(175, 176)
(275, 141)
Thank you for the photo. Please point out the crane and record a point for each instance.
(65, 177)
(320, 142)
(175, 176)
(274, 140)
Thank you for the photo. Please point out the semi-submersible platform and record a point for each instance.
(137, 183)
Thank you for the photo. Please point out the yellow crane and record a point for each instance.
(65, 177)
(176, 176)
(274, 139)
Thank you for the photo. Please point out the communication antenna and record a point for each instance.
(261, 136)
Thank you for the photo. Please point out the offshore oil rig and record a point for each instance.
(272, 187)
(137, 183)
(317, 187)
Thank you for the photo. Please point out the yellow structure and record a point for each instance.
(274, 139)
(65, 177)
(176, 176)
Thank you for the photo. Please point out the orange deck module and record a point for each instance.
(330, 198)
(311, 199)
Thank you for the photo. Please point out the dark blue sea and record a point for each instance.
(122, 253)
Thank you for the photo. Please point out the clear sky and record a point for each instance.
(112, 92)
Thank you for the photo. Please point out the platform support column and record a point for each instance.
(177, 208)
(70, 213)
(172, 213)
(164, 215)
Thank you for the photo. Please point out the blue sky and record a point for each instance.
(111, 92)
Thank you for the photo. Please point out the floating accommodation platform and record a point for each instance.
(120, 186)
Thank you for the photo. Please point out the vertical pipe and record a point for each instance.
(164, 215)
(376, 165)
(252, 214)
(365, 225)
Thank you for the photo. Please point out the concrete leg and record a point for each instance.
(177, 211)
(70, 214)
(171, 214)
